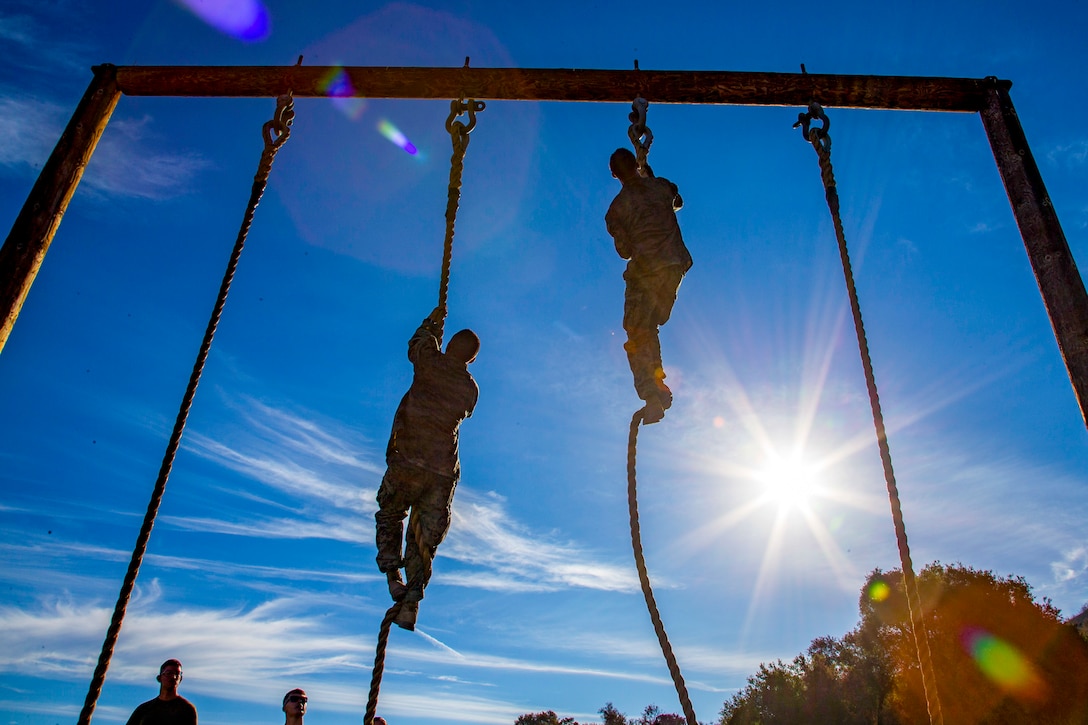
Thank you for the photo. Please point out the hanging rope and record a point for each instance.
(275, 132)
(379, 664)
(641, 138)
(383, 639)
(459, 136)
(821, 142)
(644, 577)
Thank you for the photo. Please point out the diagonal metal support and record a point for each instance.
(1048, 251)
(33, 230)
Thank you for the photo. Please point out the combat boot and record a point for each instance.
(406, 617)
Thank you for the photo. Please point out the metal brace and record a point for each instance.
(456, 109)
(814, 135)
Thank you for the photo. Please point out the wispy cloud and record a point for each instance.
(58, 639)
(126, 162)
(1070, 154)
(322, 463)
(1073, 564)
(236, 654)
(30, 127)
(33, 44)
(486, 537)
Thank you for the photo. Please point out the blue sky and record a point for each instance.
(260, 573)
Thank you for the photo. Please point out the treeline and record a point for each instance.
(651, 715)
(999, 657)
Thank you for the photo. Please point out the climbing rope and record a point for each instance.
(459, 132)
(641, 138)
(275, 133)
(821, 142)
(640, 134)
(379, 664)
(459, 136)
(644, 577)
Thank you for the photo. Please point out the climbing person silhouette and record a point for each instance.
(642, 221)
(422, 459)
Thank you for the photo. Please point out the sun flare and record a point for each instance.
(788, 482)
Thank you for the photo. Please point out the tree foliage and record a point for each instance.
(651, 715)
(544, 718)
(998, 656)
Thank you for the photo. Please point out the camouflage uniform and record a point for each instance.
(642, 220)
(423, 465)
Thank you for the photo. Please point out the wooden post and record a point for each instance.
(33, 230)
(1048, 251)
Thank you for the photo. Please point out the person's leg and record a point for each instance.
(665, 284)
(389, 528)
(427, 527)
(642, 346)
(647, 304)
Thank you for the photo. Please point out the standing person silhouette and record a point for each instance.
(169, 708)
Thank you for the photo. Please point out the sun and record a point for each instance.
(788, 482)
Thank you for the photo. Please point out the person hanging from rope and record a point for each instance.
(422, 459)
(642, 221)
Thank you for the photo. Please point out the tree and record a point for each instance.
(998, 657)
(651, 715)
(544, 718)
(612, 716)
(1080, 621)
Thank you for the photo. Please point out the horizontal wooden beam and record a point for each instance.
(538, 84)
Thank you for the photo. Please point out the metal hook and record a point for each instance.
(277, 130)
(637, 116)
(461, 106)
(804, 119)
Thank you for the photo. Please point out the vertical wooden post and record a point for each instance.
(1048, 251)
(33, 230)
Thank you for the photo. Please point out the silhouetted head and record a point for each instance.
(463, 346)
(169, 668)
(294, 703)
(623, 164)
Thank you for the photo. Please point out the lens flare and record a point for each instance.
(245, 20)
(337, 85)
(879, 591)
(392, 133)
(1003, 663)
